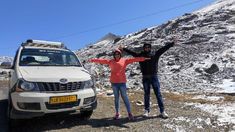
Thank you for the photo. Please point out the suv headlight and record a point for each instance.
(26, 86)
(88, 84)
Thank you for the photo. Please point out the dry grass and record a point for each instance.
(185, 98)
(229, 98)
(189, 98)
(134, 96)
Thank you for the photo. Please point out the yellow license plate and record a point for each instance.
(63, 99)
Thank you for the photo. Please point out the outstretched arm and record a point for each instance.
(131, 52)
(128, 51)
(100, 61)
(136, 59)
(164, 49)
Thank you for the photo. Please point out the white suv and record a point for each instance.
(45, 78)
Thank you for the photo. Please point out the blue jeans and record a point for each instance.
(147, 82)
(117, 89)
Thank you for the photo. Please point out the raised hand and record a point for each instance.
(121, 47)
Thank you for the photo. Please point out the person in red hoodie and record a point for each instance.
(118, 78)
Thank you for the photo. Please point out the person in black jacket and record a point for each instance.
(149, 70)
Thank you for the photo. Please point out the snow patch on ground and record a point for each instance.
(209, 98)
(224, 112)
(185, 122)
(228, 86)
(176, 128)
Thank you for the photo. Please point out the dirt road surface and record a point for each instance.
(182, 117)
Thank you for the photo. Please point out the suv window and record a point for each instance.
(48, 57)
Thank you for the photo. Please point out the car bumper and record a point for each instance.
(32, 104)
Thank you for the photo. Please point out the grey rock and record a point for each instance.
(212, 69)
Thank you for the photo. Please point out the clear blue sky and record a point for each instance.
(74, 21)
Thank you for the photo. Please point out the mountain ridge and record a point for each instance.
(205, 40)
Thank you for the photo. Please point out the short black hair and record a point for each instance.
(147, 44)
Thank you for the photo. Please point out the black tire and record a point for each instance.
(12, 123)
(86, 114)
(9, 108)
(8, 119)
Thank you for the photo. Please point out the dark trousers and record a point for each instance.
(147, 82)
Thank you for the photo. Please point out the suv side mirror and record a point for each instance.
(6, 65)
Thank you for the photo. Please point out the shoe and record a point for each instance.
(146, 113)
(130, 117)
(164, 115)
(117, 116)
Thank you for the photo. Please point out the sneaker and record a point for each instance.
(130, 117)
(146, 113)
(117, 116)
(164, 115)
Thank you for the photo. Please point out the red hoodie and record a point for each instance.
(118, 67)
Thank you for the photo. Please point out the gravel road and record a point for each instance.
(182, 117)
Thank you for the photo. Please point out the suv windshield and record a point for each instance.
(48, 57)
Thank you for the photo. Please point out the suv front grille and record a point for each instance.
(58, 87)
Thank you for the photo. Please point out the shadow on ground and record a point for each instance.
(62, 121)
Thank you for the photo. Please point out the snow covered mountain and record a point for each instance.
(5, 59)
(202, 58)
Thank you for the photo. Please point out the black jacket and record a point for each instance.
(150, 67)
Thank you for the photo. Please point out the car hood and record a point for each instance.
(53, 74)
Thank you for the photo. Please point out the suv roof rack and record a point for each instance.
(43, 43)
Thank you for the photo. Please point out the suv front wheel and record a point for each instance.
(11, 122)
(86, 114)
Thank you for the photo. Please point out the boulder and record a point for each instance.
(212, 69)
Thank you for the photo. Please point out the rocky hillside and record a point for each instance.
(203, 56)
